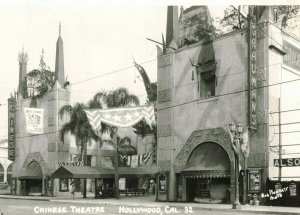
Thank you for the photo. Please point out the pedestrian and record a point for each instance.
(73, 189)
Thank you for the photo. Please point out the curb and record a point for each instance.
(199, 207)
(154, 204)
(28, 198)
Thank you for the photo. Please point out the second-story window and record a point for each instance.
(207, 80)
(206, 71)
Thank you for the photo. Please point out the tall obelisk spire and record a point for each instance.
(59, 61)
(22, 58)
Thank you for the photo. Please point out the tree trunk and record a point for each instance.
(116, 164)
(84, 164)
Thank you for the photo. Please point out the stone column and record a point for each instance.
(5, 175)
(19, 187)
(184, 197)
(43, 185)
(172, 186)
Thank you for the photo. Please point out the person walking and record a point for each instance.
(73, 189)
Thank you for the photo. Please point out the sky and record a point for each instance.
(99, 37)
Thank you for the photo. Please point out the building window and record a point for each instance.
(63, 185)
(207, 80)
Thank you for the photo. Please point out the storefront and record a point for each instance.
(69, 176)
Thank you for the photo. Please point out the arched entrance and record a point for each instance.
(207, 174)
(32, 179)
(205, 167)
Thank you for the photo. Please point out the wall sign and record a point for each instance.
(254, 181)
(64, 185)
(162, 183)
(11, 128)
(287, 162)
(252, 70)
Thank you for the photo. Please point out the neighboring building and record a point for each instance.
(239, 77)
(5, 164)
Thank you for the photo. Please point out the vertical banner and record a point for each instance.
(34, 120)
(252, 70)
(11, 128)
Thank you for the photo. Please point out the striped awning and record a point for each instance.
(206, 174)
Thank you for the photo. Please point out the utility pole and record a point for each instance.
(280, 139)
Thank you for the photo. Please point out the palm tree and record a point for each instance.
(113, 99)
(78, 126)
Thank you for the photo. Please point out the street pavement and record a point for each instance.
(11, 205)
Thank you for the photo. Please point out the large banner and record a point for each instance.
(121, 117)
(34, 120)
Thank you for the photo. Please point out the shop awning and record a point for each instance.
(82, 172)
(142, 171)
(209, 160)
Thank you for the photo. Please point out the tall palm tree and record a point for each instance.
(114, 99)
(79, 126)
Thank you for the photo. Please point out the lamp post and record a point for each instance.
(235, 132)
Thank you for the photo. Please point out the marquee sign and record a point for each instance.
(287, 162)
(252, 70)
(11, 128)
(62, 163)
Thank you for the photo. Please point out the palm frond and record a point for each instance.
(65, 109)
(67, 127)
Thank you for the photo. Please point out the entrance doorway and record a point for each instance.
(32, 179)
(208, 190)
(207, 174)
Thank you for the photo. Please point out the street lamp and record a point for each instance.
(235, 132)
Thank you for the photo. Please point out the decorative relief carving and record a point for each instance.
(36, 156)
(164, 165)
(257, 160)
(261, 74)
(164, 131)
(261, 117)
(164, 95)
(51, 121)
(63, 147)
(164, 60)
(262, 31)
(217, 135)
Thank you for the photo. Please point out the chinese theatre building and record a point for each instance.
(203, 85)
(34, 144)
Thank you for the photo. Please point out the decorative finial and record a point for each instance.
(22, 56)
(59, 28)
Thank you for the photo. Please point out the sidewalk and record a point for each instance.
(148, 201)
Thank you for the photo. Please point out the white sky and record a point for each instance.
(99, 37)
